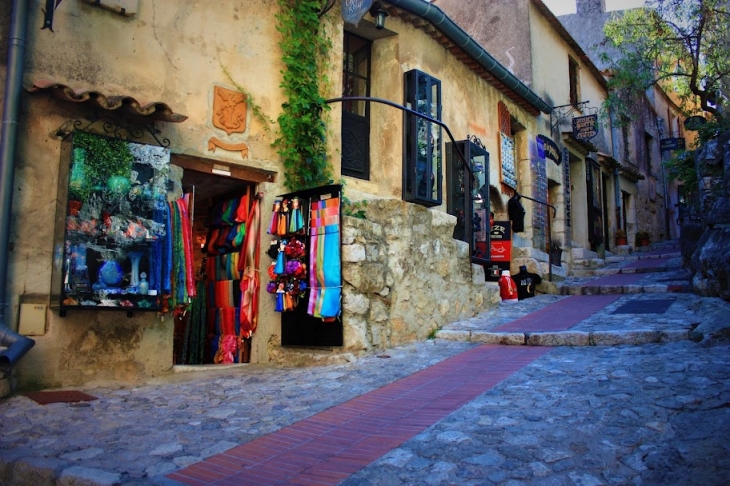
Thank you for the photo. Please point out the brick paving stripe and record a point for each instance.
(328, 447)
(561, 315)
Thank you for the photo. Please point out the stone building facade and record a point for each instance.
(165, 65)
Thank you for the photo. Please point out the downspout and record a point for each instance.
(442, 21)
(16, 344)
(616, 178)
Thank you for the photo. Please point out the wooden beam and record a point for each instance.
(225, 169)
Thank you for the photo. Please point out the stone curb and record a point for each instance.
(568, 338)
(620, 289)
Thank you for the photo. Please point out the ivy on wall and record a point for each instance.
(301, 141)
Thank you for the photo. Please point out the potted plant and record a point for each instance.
(643, 238)
(621, 237)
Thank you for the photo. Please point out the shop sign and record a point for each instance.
(546, 148)
(585, 127)
(500, 236)
(673, 143)
(354, 10)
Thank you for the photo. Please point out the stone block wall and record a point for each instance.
(405, 276)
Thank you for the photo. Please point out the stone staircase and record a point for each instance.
(652, 269)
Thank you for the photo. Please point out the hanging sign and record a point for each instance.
(585, 127)
(354, 10)
(550, 149)
(500, 239)
(673, 143)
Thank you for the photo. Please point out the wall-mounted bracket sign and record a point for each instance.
(585, 127)
(673, 143)
(354, 10)
(546, 148)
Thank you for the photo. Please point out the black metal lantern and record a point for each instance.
(422, 172)
(468, 197)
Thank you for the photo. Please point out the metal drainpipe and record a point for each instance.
(16, 344)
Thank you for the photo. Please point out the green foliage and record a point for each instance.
(301, 141)
(104, 158)
(355, 209)
(682, 44)
(255, 108)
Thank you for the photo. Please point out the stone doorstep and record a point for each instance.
(568, 338)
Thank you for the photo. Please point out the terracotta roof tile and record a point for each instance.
(156, 110)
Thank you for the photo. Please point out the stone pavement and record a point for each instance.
(445, 411)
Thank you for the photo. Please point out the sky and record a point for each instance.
(564, 7)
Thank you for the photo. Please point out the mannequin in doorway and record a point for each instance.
(516, 213)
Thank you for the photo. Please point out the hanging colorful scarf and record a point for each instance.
(248, 264)
(198, 323)
(159, 215)
(167, 257)
(242, 211)
(325, 278)
(227, 348)
(188, 245)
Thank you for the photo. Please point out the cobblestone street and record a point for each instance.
(446, 411)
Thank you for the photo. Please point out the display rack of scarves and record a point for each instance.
(325, 276)
(178, 268)
(194, 341)
(228, 232)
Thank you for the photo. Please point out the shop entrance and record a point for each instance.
(219, 202)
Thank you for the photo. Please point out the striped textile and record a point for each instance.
(325, 276)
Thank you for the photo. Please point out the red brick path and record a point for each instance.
(330, 446)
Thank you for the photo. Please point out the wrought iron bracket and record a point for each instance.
(326, 8)
(561, 113)
(370, 99)
(114, 128)
(473, 139)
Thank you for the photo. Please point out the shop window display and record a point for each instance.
(116, 238)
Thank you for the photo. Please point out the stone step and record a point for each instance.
(569, 338)
(621, 289)
(603, 272)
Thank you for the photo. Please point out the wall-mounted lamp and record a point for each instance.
(380, 15)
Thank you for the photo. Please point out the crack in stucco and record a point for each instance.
(154, 32)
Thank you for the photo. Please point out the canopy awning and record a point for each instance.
(156, 110)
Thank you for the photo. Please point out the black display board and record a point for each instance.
(298, 326)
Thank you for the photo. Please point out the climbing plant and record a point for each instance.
(302, 141)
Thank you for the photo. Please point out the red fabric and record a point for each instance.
(187, 235)
(248, 264)
(507, 288)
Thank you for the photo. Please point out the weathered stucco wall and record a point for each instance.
(176, 52)
(502, 26)
(169, 52)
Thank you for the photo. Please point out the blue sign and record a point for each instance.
(673, 143)
(354, 10)
(549, 149)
